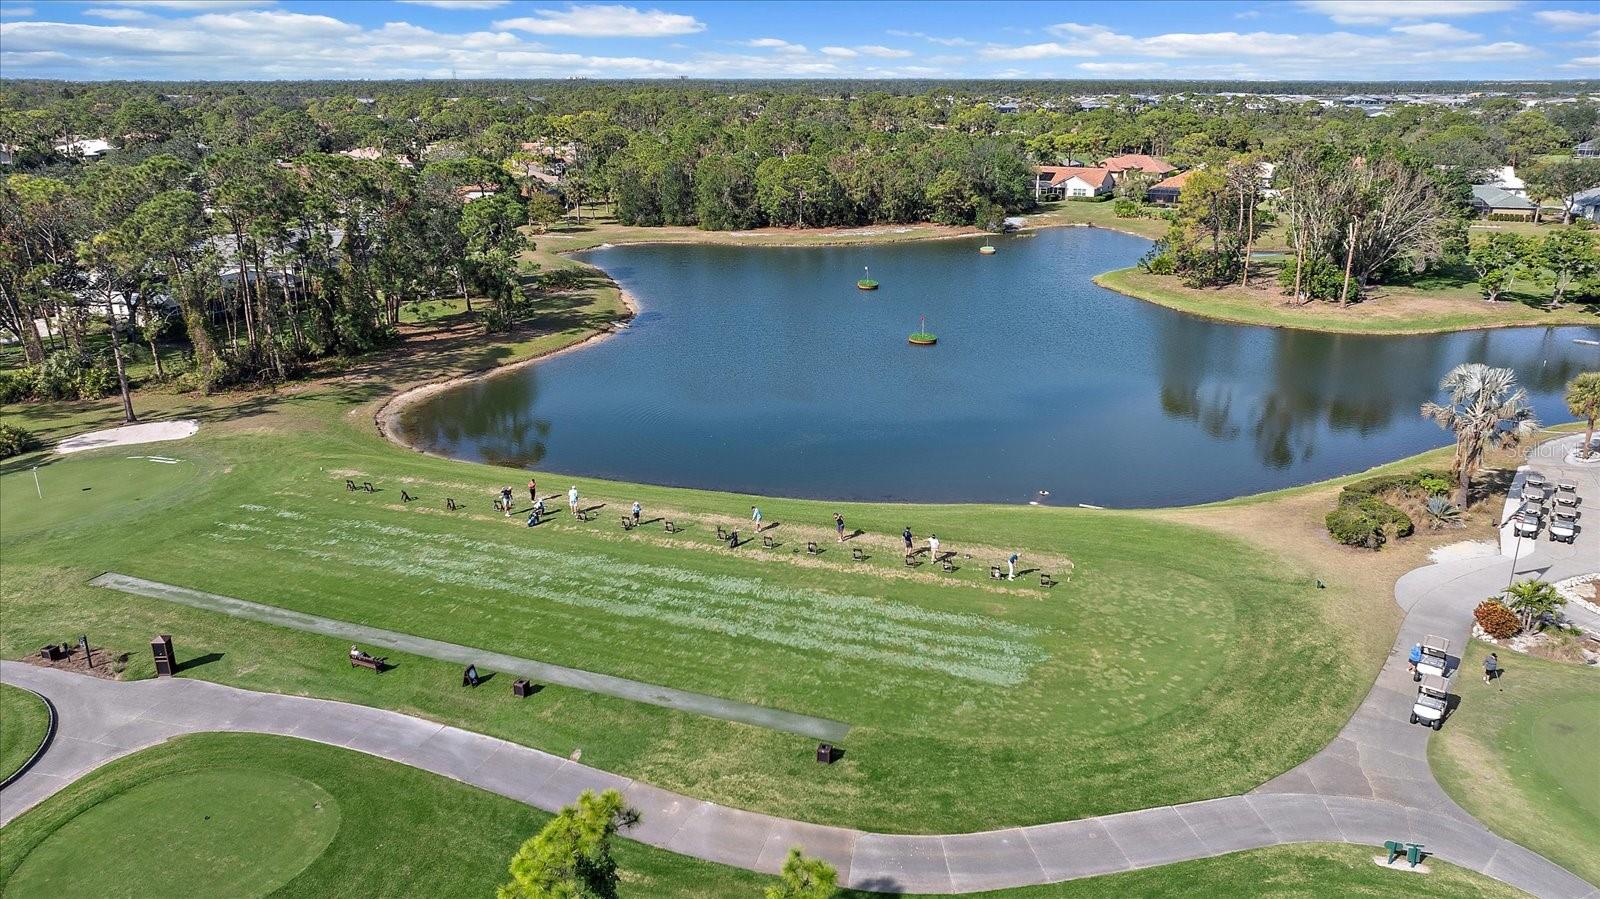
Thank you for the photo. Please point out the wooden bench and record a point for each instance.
(366, 661)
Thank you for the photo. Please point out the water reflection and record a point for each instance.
(765, 371)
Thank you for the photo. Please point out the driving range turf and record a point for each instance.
(1152, 675)
(23, 722)
(1521, 755)
(293, 818)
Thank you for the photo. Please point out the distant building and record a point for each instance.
(1589, 149)
(1167, 192)
(1062, 181)
(1490, 200)
(84, 148)
(1150, 165)
(1586, 204)
(1506, 179)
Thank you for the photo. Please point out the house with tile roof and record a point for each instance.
(1489, 200)
(1150, 165)
(1056, 182)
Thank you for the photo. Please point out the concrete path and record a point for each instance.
(1371, 784)
(539, 672)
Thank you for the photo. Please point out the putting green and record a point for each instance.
(104, 487)
(1563, 736)
(226, 832)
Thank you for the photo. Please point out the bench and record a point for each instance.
(856, 555)
(669, 527)
(366, 661)
(405, 497)
(811, 548)
(450, 504)
(367, 486)
(349, 484)
(768, 542)
(1046, 580)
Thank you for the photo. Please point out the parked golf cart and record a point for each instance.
(1435, 658)
(1433, 697)
(1563, 528)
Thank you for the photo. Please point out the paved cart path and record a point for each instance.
(1371, 784)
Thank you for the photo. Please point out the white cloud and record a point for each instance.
(1568, 19)
(1045, 50)
(840, 52)
(118, 14)
(1436, 31)
(934, 39)
(1582, 62)
(16, 12)
(604, 21)
(1119, 68)
(883, 52)
(1382, 12)
(458, 4)
(778, 45)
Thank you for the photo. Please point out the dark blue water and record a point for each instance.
(765, 371)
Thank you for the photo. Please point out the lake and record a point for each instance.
(764, 370)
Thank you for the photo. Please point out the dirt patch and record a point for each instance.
(106, 664)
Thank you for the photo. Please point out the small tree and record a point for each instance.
(544, 209)
(1560, 180)
(1497, 261)
(1532, 601)
(1486, 408)
(571, 857)
(1583, 400)
(803, 877)
(1566, 256)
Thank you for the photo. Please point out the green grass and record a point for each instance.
(23, 722)
(1435, 303)
(1522, 755)
(1137, 682)
(397, 831)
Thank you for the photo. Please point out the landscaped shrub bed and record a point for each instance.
(1496, 620)
(15, 441)
(1364, 517)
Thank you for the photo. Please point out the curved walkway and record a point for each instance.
(1371, 784)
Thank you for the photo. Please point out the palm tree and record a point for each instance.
(1532, 600)
(1583, 400)
(1486, 408)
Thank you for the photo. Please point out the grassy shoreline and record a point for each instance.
(1401, 312)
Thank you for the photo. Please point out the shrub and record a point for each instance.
(1124, 208)
(1443, 513)
(16, 386)
(1102, 198)
(1368, 522)
(15, 441)
(1496, 620)
(65, 375)
(1434, 486)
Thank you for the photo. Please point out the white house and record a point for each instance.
(1062, 181)
(84, 148)
(1505, 178)
(1586, 204)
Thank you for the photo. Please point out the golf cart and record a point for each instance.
(1526, 525)
(1563, 528)
(1435, 658)
(1433, 697)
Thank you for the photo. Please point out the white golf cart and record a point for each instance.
(1433, 697)
(1435, 658)
(1564, 528)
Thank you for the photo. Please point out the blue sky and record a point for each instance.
(1294, 39)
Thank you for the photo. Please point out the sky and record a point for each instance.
(379, 39)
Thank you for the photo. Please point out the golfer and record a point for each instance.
(505, 500)
(838, 526)
(755, 518)
(533, 490)
(572, 499)
(1415, 657)
(636, 510)
(933, 547)
(906, 538)
(1011, 566)
(1491, 668)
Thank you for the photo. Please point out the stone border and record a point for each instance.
(49, 736)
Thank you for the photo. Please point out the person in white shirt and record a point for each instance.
(933, 547)
(572, 499)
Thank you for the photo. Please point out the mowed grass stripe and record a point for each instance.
(710, 706)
